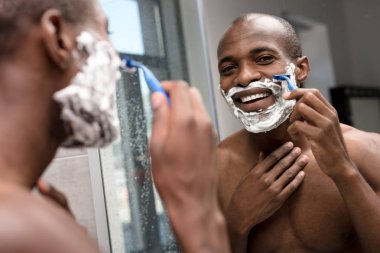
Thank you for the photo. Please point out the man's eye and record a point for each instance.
(227, 69)
(265, 59)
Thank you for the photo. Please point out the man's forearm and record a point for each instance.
(201, 233)
(238, 241)
(363, 206)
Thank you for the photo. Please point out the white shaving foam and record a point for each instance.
(88, 103)
(271, 117)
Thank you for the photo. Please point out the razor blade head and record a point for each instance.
(285, 77)
(282, 77)
(128, 66)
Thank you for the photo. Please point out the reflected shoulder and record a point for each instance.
(233, 140)
(356, 138)
(230, 163)
(230, 148)
(364, 150)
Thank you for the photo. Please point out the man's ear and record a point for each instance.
(58, 41)
(302, 69)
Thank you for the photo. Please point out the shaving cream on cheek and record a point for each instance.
(271, 117)
(88, 103)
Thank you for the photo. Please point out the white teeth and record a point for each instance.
(253, 97)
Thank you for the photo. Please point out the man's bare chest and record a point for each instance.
(313, 219)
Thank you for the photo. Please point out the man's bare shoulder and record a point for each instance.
(360, 142)
(32, 224)
(233, 163)
(230, 143)
(364, 150)
(230, 147)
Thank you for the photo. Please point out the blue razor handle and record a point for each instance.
(286, 78)
(150, 79)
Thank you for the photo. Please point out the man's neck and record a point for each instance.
(23, 159)
(270, 141)
(27, 142)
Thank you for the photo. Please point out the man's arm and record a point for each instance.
(316, 119)
(361, 191)
(261, 192)
(183, 151)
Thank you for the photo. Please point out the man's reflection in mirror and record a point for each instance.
(293, 179)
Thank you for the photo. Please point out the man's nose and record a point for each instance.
(247, 74)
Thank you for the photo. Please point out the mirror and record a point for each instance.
(337, 36)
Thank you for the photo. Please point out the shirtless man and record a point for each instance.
(331, 204)
(58, 75)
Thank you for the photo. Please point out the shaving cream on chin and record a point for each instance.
(88, 103)
(270, 118)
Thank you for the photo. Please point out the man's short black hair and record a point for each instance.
(292, 44)
(17, 16)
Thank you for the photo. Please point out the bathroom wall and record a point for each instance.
(69, 172)
(362, 18)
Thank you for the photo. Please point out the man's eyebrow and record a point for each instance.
(263, 49)
(254, 51)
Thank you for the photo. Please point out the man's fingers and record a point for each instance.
(297, 94)
(292, 186)
(274, 157)
(53, 194)
(160, 121)
(181, 102)
(312, 107)
(311, 97)
(169, 86)
(202, 117)
(303, 128)
(303, 112)
(43, 186)
(197, 104)
(289, 175)
(261, 157)
(284, 163)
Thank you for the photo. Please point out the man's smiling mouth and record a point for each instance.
(251, 95)
(254, 97)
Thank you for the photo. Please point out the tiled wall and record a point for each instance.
(69, 172)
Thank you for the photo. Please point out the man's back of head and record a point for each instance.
(18, 16)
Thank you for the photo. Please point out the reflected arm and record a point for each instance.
(360, 189)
